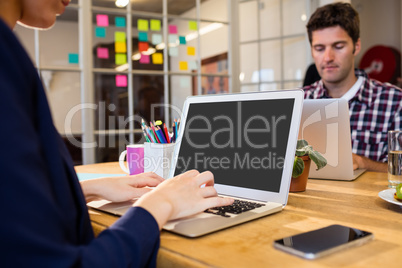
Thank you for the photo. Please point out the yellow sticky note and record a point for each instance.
(142, 25)
(120, 37)
(120, 59)
(157, 58)
(120, 47)
(155, 25)
(183, 66)
(191, 51)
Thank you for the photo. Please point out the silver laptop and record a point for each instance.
(248, 141)
(325, 125)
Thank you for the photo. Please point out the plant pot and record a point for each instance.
(299, 184)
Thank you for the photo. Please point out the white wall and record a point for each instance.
(380, 23)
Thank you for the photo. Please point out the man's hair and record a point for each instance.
(342, 14)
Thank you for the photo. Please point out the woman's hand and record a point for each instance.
(184, 195)
(120, 189)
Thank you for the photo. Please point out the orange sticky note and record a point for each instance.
(191, 51)
(183, 66)
(157, 58)
(120, 47)
(143, 46)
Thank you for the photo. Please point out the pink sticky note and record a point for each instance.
(173, 29)
(103, 53)
(121, 80)
(102, 20)
(144, 59)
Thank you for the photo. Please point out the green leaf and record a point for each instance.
(318, 159)
(298, 167)
(301, 144)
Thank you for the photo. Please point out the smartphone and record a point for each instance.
(321, 242)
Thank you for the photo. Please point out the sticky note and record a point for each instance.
(185, 82)
(144, 59)
(192, 65)
(191, 51)
(173, 29)
(142, 25)
(102, 20)
(120, 47)
(157, 58)
(121, 80)
(120, 21)
(143, 36)
(192, 25)
(183, 66)
(173, 51)
(73, 58)
(182, 40)
(143, 46)
(100, 32)
(156, 39)
(102, 52)
(120, 37)
(120, 59)
(155, 25)
(172, 38)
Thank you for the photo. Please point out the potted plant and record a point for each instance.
(301, 166)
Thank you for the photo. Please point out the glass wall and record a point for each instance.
(273, 44)
(106, 67)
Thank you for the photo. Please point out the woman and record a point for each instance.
(45, 220)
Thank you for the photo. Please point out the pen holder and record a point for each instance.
(158, 158)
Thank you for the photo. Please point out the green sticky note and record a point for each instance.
(182, 40)
(142, 25)
(120, 37)
(155, 25)
(73, 58)
(120, 21)
(100, 32)
(143, 36)
(120, 59)
(192, 25)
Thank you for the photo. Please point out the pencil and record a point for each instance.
(166, 133)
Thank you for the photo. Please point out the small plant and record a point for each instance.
(303, 149)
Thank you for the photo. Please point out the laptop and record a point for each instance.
(325, 125)
(248, 142)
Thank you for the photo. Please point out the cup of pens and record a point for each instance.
(159, 147)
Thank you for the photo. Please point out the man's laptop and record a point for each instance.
(325, 125)
(248, 141)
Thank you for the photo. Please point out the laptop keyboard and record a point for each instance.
(238, 206)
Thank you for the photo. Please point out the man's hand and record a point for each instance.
(366, 163)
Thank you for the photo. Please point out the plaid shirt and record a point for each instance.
(375, 109)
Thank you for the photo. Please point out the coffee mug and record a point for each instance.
(135, 159)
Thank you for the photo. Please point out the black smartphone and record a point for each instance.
(320, 242)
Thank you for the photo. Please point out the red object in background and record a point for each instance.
(382, 63)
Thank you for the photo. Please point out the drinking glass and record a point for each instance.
(394, 158)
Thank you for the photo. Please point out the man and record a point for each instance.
(374, 107)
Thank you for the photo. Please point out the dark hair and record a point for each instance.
(342, 14)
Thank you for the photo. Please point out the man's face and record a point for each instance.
(333, 52)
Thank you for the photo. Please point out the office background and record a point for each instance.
(104, 66)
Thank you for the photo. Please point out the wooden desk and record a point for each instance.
(355, 204)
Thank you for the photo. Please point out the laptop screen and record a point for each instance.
(243, 143)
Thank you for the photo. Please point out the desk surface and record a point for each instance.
(355, 204)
